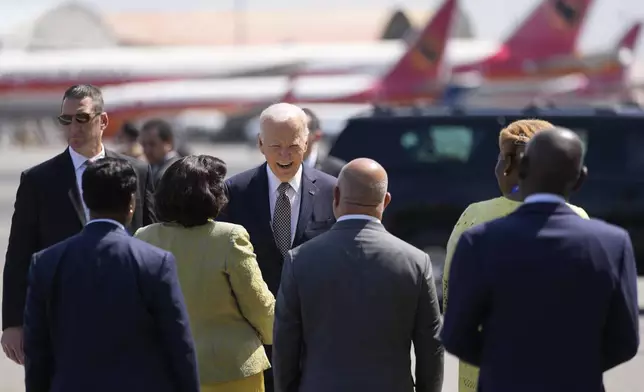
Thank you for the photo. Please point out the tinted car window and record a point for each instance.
(418, 144)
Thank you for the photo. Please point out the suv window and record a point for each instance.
(417, 145)
(438, 144)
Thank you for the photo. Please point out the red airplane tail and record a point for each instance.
(424, 59)
(552, 29)
(614, 78)
(629, 40)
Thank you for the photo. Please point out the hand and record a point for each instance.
(12, 344)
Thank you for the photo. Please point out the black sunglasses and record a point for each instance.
(81, 118)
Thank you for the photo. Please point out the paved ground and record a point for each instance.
(626, 378)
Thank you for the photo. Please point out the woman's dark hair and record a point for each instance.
(108, 185)
(191, 191)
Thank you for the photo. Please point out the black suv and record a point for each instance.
(440, 160)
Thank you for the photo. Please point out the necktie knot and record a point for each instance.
(283, 188)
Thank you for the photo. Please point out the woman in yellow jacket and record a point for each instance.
(512, 141)
(230, 307)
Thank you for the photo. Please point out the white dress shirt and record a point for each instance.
(544, 198)
(79, 168)
(358, 216)
(112, 221)
(293, 194)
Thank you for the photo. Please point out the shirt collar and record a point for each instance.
(79, 159)
(358, 216)
(112, 221)
(274, 182)
(544, 198)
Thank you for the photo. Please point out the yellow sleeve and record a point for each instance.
(256, 302)
(580, 211)
(463, 223)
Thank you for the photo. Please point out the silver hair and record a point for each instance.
(284, 112)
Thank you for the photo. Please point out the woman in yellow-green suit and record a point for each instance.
(512, 141)
(230, 307)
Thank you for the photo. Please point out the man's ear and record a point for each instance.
(583, 174)
(387, 200)
(105, 121)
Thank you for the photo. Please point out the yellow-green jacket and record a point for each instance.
(230, 307)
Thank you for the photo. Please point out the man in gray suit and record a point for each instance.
(352, 300)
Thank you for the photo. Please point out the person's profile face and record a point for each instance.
(82, 125)
(283, 147)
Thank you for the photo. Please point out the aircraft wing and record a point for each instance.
(284, 69)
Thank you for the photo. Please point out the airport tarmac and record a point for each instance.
(625, 378)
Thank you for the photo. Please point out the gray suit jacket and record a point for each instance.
(350, 303)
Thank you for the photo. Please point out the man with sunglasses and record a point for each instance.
(49, 206)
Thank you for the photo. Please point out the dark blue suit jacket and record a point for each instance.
(555, 295)
(105, 312)
(249, 206)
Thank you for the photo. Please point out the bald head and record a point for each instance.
(553, 162)
(362, 187)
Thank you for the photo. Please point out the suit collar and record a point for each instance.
(102, 227)
(544, 198)
(546, 208)
(309, 190)
(68, 181)
(78, 160)
(358, 224)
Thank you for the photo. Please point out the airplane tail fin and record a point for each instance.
(616, 75)
(424, 59)
(629, 40)
(551, 29)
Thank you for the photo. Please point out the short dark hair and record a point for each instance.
(82, 91)
(108, 185)
(314, 121)
(130, 130)
(163, 128)
(192, 191)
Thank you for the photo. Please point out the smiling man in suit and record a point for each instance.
(49, 206)
(282, 203)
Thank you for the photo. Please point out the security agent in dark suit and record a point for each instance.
(544, 300)
(282, 203)
(49, 208)
(158, 141)
(352, 301)
(104, 310)
(314, 157)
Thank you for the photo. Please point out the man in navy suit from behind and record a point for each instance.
(104, 310)
(544, 300)
(282, 203)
